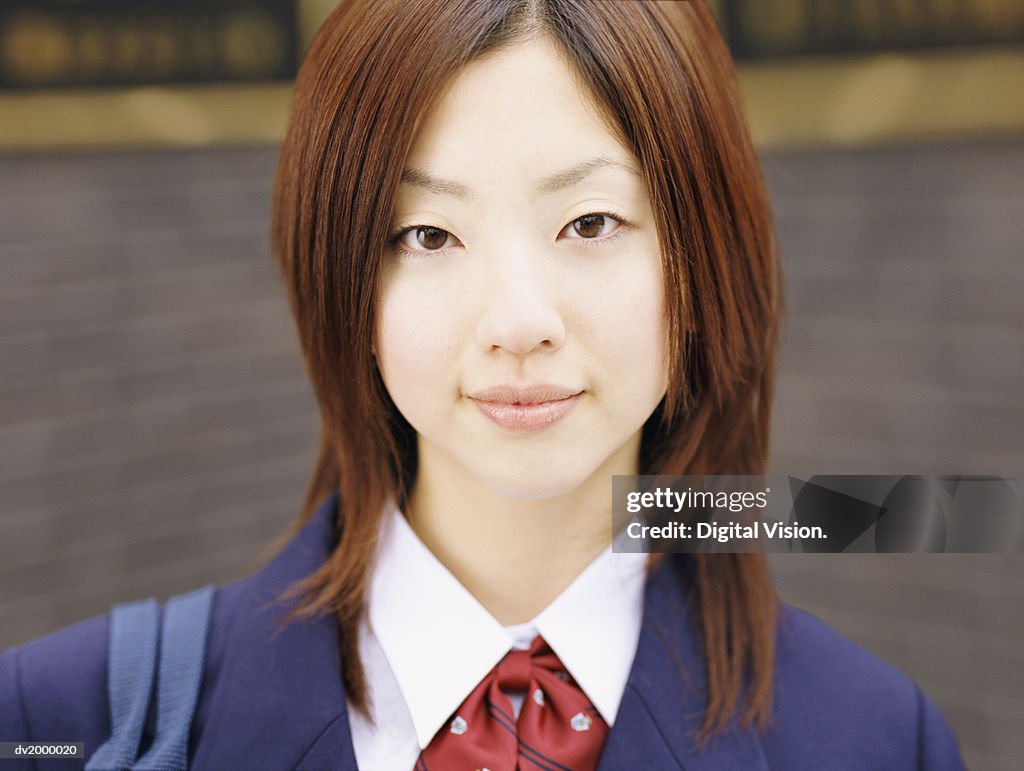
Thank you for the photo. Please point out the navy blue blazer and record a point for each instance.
(279, 703)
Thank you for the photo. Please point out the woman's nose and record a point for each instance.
(518, 311)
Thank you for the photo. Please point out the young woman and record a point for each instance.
(527, 246)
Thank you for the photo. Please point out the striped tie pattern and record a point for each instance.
(558, 729)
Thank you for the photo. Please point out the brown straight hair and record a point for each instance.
(663, 79)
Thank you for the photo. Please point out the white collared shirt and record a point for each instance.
(428, 642)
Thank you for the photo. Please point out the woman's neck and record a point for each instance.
(515, 556)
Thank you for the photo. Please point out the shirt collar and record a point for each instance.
(593, 626)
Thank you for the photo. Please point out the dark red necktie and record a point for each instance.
(558, 728)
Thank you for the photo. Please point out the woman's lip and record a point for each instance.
(527, 417)
(531, 394)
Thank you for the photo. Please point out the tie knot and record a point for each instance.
(556, 726)
(514, 671)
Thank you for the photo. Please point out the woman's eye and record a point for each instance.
(422, 238)
(597, 227)
(594, 226)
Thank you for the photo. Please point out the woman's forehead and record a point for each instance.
(520, 113)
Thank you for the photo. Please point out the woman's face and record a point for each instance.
(513, 273)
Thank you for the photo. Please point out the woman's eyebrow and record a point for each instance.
(563, 179)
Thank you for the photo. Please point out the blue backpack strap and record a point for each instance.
(182, 650)
(131, 662)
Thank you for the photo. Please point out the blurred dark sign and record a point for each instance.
(49, 43)
(769, 28)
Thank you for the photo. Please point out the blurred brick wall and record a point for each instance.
(157, 427)
(904, 353)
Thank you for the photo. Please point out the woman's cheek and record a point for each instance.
(415, 335)
(632, 305)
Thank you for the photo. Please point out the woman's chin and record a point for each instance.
(535, 486)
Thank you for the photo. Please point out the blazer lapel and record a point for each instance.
(279, 701)
(661, 709)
